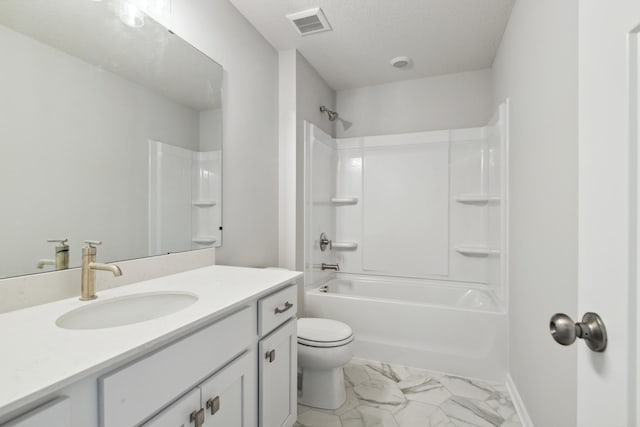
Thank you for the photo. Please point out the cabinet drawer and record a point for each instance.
(276, 309)
(134, 393)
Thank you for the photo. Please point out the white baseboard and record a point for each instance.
(518, 403)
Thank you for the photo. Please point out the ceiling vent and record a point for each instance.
(310, 21)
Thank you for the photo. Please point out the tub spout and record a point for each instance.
(334, 267)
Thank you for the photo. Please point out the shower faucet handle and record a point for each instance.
(324, 242)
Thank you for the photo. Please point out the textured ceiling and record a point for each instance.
(442, 36)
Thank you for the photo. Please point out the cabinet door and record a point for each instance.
(278, 365)
(179, 413)
(228, 397)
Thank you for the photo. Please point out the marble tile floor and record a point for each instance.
(380, 395)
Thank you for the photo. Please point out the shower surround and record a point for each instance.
(184, 198)
(418, 224)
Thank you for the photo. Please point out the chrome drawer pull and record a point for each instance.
(197, 417)
(214, 405)
(270, 356)
(287, 306)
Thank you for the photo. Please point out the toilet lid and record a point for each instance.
(323, 332)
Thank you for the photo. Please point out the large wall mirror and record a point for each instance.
(110, 129)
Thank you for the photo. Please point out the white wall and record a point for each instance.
(451, 101)
(302, 91)
(536, 67)
(311, 92)
(287, 167)
(250, 126)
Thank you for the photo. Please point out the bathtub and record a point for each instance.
(453, 328)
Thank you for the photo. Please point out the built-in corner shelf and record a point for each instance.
(477, 198)
(204, 240)
(477, 251)
(203, 203)
(345, 246)
(344, 201)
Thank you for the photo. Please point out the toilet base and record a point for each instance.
(323, 389)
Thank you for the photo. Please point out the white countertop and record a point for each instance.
(37, 357)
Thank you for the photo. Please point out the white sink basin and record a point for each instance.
(126, 310)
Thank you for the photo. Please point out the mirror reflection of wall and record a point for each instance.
(90, 97)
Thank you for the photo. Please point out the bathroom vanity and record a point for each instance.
(227, 358)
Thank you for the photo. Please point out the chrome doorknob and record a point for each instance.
(565, 331)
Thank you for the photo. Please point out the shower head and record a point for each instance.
(332, 114)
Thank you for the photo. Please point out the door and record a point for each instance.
(608, 213)
(229, 396)
(278, 363)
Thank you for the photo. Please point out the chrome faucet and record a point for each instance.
(335, 267)
(89, 267)
(62, 255)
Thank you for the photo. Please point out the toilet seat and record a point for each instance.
(323, 333)
(323, 344)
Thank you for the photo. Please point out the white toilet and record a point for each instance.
(324, 347)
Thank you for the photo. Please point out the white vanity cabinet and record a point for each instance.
(278, 359)
(174, 386)
(136, 392)
(222, 365)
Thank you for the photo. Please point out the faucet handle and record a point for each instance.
(324, 242)
(93, 243)
(61, 241)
